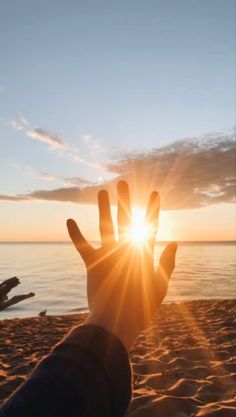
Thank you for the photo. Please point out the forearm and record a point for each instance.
(88, 371)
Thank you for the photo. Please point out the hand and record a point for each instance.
(124, 290)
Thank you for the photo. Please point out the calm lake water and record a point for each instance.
(55, 272)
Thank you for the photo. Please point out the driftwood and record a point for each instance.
(5, 287)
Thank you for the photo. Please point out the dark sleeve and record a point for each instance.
(86, 375)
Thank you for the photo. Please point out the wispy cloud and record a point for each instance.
(90, 164)
(95, 145)
(188, 173)
(19, 123)
(55, 143)
(44, 136)
(48, 177)
(77, 181)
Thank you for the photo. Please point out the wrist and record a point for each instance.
(121, 331)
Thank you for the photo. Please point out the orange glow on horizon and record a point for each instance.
(47, 222)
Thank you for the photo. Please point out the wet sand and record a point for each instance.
(183, 365)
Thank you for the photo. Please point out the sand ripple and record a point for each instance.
(183, 365)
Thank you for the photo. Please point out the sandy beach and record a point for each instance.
(183, 365)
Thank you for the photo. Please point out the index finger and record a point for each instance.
(105, 219)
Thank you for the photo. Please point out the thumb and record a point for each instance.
(167, 260)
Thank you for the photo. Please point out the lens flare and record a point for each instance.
(139, 231)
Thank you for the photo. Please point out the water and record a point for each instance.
(55, 272)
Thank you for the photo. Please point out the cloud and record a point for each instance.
(189, 173)
(19, 123)
(78, 181)
(44, 136)
(91, 164)
(95, 145)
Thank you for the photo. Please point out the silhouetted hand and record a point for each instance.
(124, 290)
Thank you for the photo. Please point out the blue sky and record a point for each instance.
(105, 77)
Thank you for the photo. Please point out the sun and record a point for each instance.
(139, 231)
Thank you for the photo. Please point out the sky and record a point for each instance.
(94, 91)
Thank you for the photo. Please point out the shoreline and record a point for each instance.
(184, 363)
(85, 310)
